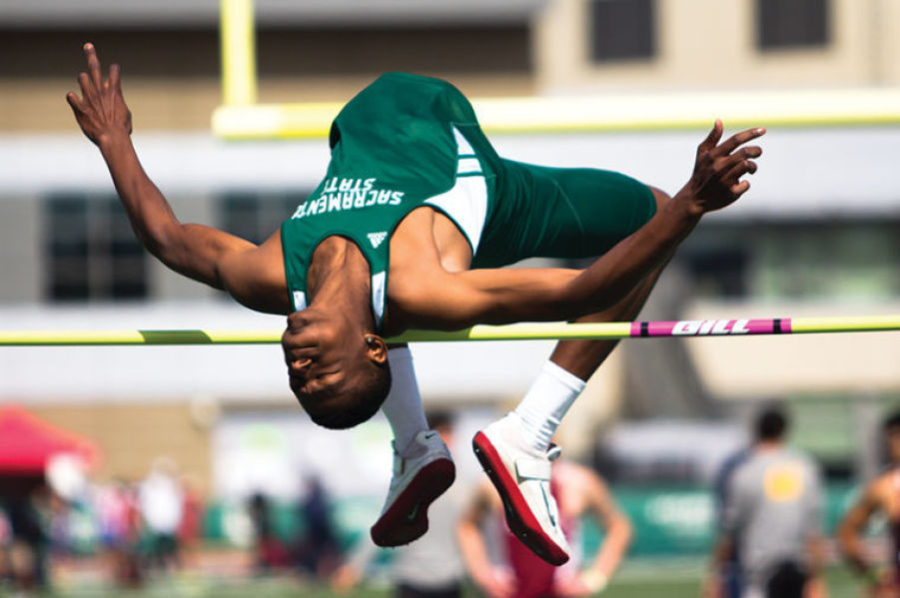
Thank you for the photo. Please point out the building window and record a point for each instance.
(622, 30)
(816, 261)
(721, 273)
(255, 216)
(90, 251)
(786, 24)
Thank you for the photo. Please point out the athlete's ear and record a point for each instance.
(376, 349)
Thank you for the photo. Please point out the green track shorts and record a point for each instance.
(560, 213)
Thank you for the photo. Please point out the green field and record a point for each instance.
(639, 579)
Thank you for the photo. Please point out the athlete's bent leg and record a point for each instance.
(542, 413)
(403, 405)
(423, 468)
(544, 406)
(573, 362)
(516, 452)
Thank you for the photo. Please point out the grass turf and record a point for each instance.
(638, 579)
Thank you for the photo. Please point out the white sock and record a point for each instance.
(546, 402)
(403, 405)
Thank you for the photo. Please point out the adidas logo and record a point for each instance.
(377, 239)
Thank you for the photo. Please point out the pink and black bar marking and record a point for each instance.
(712, 327)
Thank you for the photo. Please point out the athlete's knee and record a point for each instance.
(661, 197)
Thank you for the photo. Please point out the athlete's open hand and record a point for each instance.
(716, 181)
(100, 111)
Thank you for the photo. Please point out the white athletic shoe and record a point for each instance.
(420, 476)
(522, 477)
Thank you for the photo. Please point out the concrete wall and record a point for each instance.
(20, 250)
(710, 44)
(131, 436)
(171, 76)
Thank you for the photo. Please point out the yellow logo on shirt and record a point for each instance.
(783, 482)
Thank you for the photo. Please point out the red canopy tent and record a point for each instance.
(27, 443)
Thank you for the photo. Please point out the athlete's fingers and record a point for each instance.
(740, 169)
(739, 189)
(299, 357)
(749, 151)
(726, 163)
(93, 64)
(298, 339)
(74, 102)
(88, 92)
(298, 335)
(739, 139)
(114, 80)
(300, 365)
(296, 321)
(751, 167)
(712, 139)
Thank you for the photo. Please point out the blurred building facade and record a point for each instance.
(816, 236)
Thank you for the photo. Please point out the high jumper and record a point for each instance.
(409, 228)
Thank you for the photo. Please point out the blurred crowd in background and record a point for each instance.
(62, 528)
(124, 532)
(134, 526)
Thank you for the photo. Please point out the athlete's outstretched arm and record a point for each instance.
(193, 250)
(462, 299)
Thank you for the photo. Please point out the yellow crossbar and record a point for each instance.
(525, 331)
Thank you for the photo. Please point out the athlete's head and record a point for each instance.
(892, 436)
(339, 372)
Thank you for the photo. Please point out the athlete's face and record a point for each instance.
(323, 350)
(313, 352)
(338, 373)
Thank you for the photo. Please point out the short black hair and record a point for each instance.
(772, 423)
(892, 421)
(347, 405)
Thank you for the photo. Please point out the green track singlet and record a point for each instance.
(403, 142)
(407, 141)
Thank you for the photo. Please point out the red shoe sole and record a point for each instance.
(407, 519)
(522, 523)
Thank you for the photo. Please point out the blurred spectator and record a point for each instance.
(431, 566)
(729, 579)
(318, 551)
(55, 512)
(5, 544)
(772, 518)
(190, 530)
(161, 501)
(28, 551)
(119, 522)
(271, 553)
(880, 497)
(518, 572)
